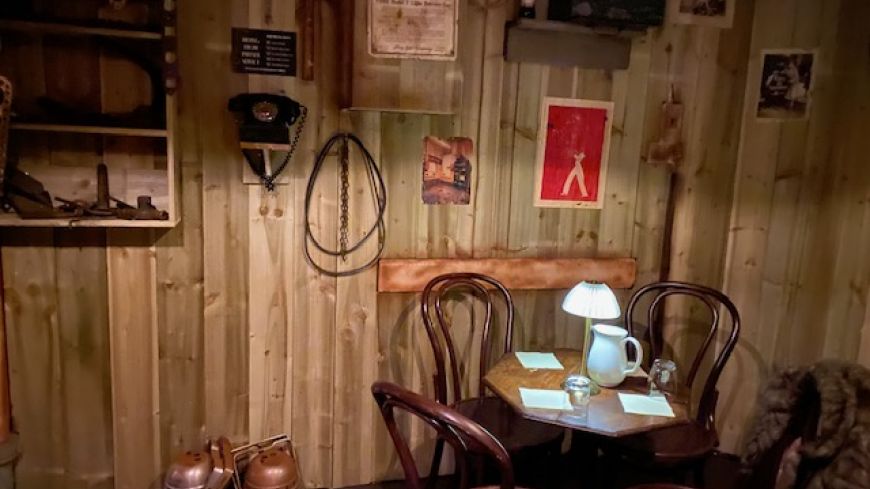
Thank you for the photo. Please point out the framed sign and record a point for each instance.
(573, 147)
(423, 29)
(264, 52)
(713, 13)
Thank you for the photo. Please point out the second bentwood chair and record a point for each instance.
(466, 437)
(517, 434)
(687, 445)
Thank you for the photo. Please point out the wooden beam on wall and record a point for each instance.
(412, 275)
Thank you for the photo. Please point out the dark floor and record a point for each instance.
(719, 474)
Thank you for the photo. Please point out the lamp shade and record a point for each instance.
(591, 300)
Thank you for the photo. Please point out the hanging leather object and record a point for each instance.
(5, 115)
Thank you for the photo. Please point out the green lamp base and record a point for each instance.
(594, 388)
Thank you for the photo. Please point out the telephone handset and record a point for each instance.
(267, 118)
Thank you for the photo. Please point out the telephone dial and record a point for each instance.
(267, 118)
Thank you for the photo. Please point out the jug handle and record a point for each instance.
(634, 368)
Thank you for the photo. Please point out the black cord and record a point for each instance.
(379, 195)
(257, 161)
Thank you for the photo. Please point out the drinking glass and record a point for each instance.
(663, 378)
(579, 389)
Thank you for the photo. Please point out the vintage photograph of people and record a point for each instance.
(785, 86)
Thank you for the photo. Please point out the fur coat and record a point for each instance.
(839, 454)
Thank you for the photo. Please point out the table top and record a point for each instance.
(606, 416)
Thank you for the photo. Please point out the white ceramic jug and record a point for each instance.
(607, 363)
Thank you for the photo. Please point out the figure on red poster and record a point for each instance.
(576, 174)
(572, 153)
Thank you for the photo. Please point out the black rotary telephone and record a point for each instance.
(265, 119)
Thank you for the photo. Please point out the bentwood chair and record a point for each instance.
(682, 446)
(466, 437)
(770, 469)
(520, 436)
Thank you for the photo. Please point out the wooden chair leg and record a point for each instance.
(436, 463)
(698, 473)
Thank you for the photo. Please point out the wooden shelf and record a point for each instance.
(565, 44)
(74, 128)
(12, 220)
(139, 148)
(70, 29)
(265, 146)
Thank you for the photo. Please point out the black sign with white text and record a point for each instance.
(264, 52)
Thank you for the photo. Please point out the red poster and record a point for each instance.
(572, 153)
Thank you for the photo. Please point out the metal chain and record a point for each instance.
(269, 180)
(344, 217)
(379, 200)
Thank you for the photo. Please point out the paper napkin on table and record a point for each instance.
(648, 405)
(532, 359)
(545, 399)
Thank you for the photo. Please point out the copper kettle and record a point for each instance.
(189, 471)
(274, 468)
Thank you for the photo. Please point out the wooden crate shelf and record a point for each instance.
(12, 220)
(73, 29)
(62, 149)
(565, 44)
(83, 129)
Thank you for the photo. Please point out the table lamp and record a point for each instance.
(592, 300)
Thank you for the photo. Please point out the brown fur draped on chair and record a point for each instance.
(834, 452)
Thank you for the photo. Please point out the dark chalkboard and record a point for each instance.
(264, 52)
(622, 14)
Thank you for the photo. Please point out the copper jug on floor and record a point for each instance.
(189, 470)
(274, 468)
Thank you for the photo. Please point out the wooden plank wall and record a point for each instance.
(796, 262)
(139, 345)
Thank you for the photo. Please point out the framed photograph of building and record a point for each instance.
(447, 170)
(785, 88)
(573, 147)
(715, 13)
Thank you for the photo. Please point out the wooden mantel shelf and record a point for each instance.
(565, 44)
(412, 275)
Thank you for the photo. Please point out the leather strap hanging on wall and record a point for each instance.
(379, 197)
(5, 114)
(5, 404)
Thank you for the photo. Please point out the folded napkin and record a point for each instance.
(647, 405)
(545, 399)
(532, 359)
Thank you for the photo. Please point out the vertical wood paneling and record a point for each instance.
(796, 199)
(356, 343)
(269, 235)
(132, 276)
(313, 299)
(850, 304)
(180, 281)
(83, 339)
(209, 136)
(220, 326)
(34, 349)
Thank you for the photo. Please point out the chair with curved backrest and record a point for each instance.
(768, 471)
(687, 443)
(464, 435)
(512, 430)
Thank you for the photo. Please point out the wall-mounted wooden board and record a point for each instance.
(412, 275)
